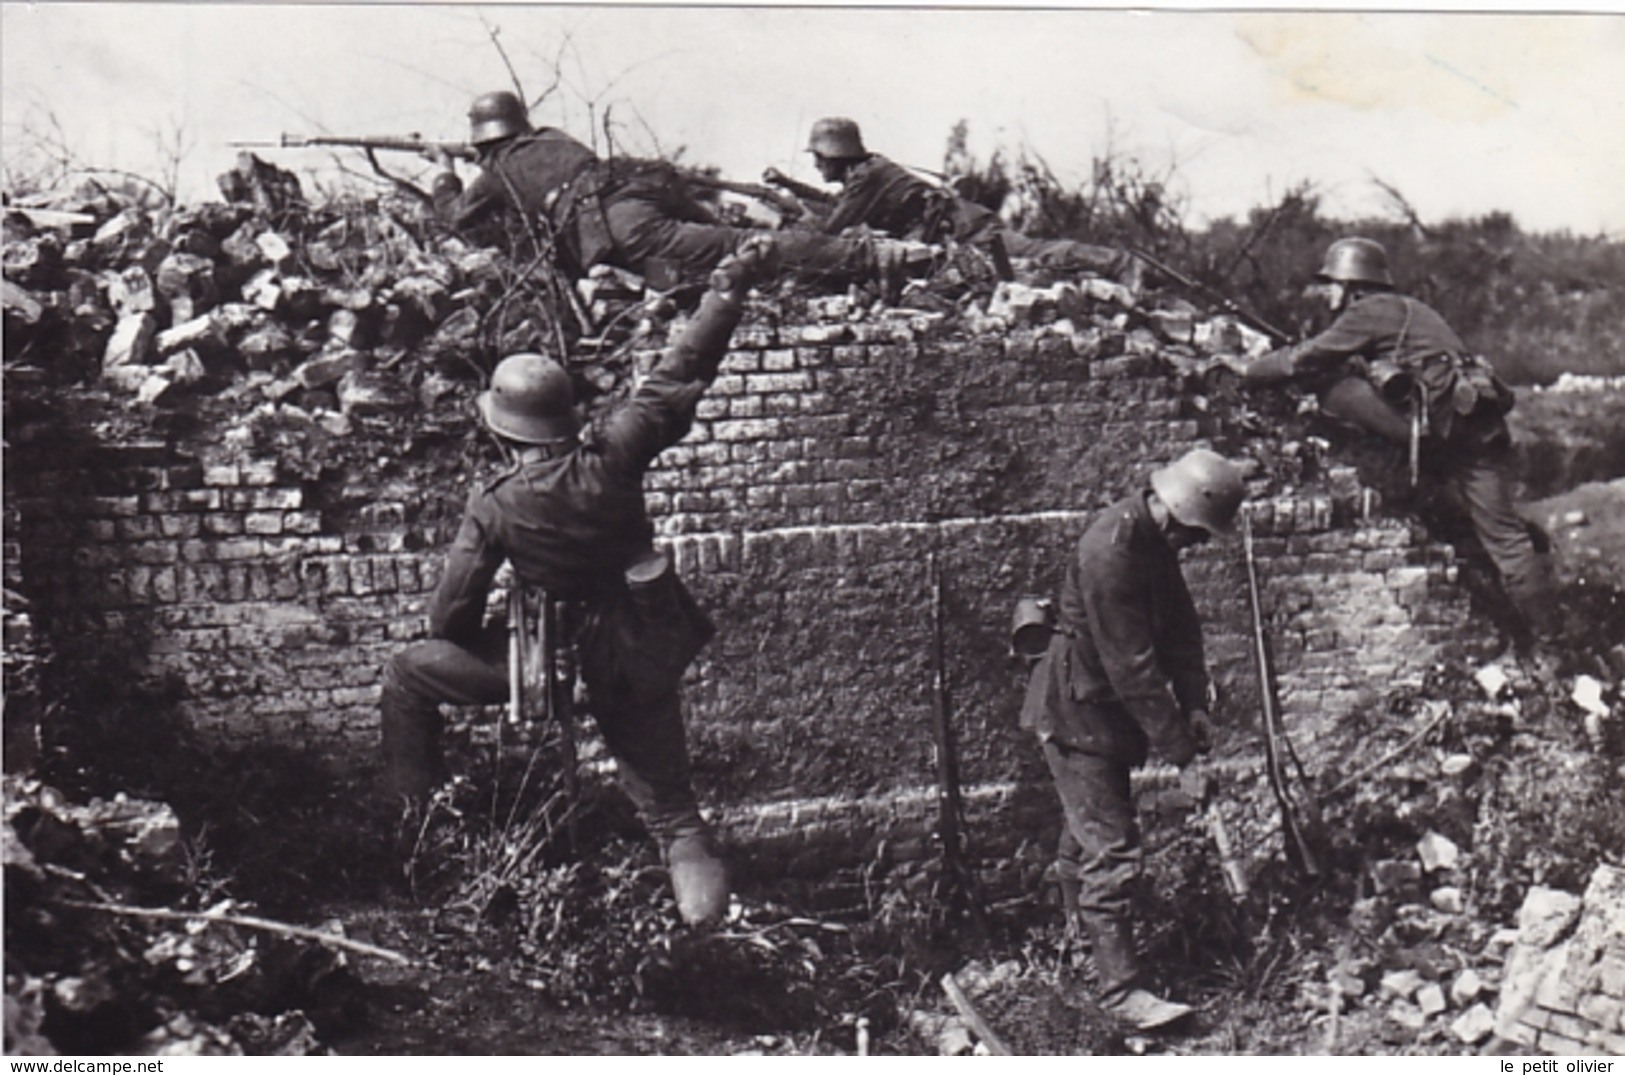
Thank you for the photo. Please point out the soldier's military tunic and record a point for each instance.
(635, 215)
(572, 523)
(1122, 673)
(889, 198)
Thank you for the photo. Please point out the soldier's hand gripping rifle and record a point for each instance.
(1297, 816)
(787, 207)
(818, 201)
(541, 678)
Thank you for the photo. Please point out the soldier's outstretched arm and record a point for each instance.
(698, 353)
(1355, 331)
(661, 411)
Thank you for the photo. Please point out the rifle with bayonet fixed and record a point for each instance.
(1225, 302)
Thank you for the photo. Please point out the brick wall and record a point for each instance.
(828, 465)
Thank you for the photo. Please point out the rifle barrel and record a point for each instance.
(1226, 303)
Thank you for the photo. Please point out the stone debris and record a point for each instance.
(1437, 852)
(270, 282)
(1402, 984)
(1564, 986)
(1456, 764)
(1430, 999)
(1466, 988)
(1473, 1025)
(1447, 898)
(1492, 679)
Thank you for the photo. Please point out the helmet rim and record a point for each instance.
(1201, 489)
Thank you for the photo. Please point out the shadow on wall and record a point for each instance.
(107, 725)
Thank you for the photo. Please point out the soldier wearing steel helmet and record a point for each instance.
(1391, 365)
(891, 199)
(569, 515)
(1124, 673)
(635, 215)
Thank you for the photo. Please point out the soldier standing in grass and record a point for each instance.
(1389, 364)
(893, 200)
(569, 515)
(635, 215)
(1125, 671)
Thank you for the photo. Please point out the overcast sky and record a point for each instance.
(1463, 113)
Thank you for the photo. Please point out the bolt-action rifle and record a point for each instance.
(789, 208)
(408, 143)
(957, 877)
(1225, 302)
(1296, 816)
(806, 192)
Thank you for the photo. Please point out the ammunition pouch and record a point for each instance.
(645, 639)
(1458, 391)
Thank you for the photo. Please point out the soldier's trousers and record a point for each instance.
(1474, 474)
(1478, 483)
(644, 734)
(644, 233)
(1067, 255)
(1099, 850)
(1100, 838)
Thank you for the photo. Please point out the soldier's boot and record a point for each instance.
(699, 878)
(414, 762)
(1117, 971)
(1068, 890)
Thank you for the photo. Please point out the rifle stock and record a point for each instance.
(541, 685)
(787, 206)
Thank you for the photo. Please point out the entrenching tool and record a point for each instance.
(1299, 813)
(540, 686)
(1235, 878)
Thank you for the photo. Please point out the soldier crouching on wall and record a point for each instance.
(1389, 364)
(569, 515)
(1125, 671)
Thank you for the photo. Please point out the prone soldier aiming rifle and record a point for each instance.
(787, 207)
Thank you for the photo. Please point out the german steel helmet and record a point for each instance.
(836, 138)
(530, 400)
(1202, 489)
(496, 115)
(1356, 261)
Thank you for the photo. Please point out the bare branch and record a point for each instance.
(495, 34)
(1403, 206)
(556, 65)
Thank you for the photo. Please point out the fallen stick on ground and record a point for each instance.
(968, 1012)
(246, 922)
(1416, 737)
